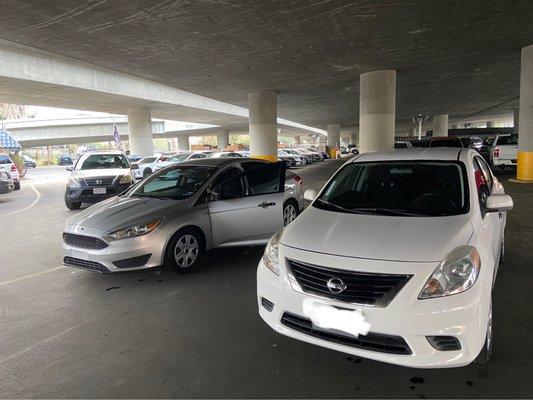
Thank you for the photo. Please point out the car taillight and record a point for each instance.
(13, 168)
(496, 152)
(298, 178)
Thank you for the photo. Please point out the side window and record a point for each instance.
(486, 172)
(228, 185)
(251, 164)
(482, 187)
(265, 179)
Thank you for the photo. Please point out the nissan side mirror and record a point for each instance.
(134, 166)
(310, 194)
(499, 202)
(69, 168)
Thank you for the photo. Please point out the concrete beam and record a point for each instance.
(34, 77)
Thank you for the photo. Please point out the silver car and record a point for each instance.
(171, 217)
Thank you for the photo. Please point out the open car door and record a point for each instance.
(247, 209)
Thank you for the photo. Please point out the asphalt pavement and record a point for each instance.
(70, 333)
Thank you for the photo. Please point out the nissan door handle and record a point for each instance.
(500, 215)
(266, 204)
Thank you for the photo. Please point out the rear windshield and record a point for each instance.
(503, 140)
(104, 161)
(5, 159)
(403, 188)
(147, 160)
(452, 142)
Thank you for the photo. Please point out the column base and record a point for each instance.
(524, 167)
(268, 158)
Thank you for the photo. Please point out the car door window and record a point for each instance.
(228, 185)
(265, 179)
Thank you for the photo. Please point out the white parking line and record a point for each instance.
(22, 278)
(26, 208)
(51, 338)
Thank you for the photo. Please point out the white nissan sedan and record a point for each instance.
(394, 260)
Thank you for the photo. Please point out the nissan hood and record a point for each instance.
(378, 237)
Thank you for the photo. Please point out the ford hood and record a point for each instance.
(120, 212)
(394, 238)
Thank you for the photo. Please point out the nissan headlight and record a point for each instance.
(271, 255)
(134, 230)
(74, 183)
(125, 179)
(455, 274)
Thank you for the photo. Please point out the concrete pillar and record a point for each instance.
(296, 140)
(455, 126)
(516, 115)
(263, 109)
(524, 170)
(334, 135)
(183, 142)
(354, 138)
(377, 110)
(440, 125)
(223, 139)
(490, 124)
(412, 132)
(140, 131)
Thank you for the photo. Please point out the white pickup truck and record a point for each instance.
(504, 151)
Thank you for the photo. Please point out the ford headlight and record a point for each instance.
(125, 179)
(271, 255)
(74, 183)
(455, 274)
(134, 230)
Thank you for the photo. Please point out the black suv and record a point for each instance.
(97, 176)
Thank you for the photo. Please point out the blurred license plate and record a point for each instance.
(99, 191)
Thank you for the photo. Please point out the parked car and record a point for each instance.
(298, 160)
(145, 167)
(133, 158)
(309, 158)
(404, 265)
(315, 157)
(419, 143)
(224, 154)
(402, 144)
(305, 159)
(6, 183)
(174, 215)
(472, 141)
(504, 151)
(28, 161)
(7, 164)
(180, 157)
(445, 141)
(65, 159)
(97, 176)
(352, 148)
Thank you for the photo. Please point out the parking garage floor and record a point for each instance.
(71, 333)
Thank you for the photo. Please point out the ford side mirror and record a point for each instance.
(310, 194)
(499, 202)
(69, 168)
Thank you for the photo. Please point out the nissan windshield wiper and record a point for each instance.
(389, 211)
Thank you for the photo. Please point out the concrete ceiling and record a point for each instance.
(456, 57)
